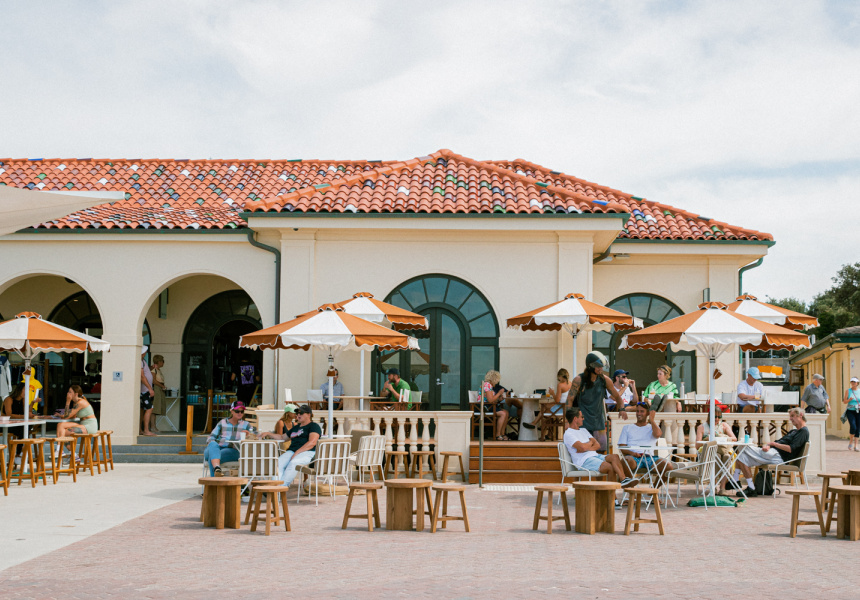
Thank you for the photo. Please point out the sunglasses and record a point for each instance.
(238, 410)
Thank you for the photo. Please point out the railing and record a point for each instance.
(679, 429)
(408, 430)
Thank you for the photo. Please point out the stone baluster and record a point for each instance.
(765, 431)
(413, 434)
(691, 435)
(754, 432)
(401, 435)
(344, 424)
(425, 436)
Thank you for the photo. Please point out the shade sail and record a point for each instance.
(751, 306)
(21, 208)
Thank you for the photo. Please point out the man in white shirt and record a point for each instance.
(582, 448)
(643, 433)
(750, 391)
(626, 388)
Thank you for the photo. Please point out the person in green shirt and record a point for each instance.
(395, 386)
(664, 387)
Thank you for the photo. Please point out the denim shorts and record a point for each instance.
(592, 463)
(645, 461)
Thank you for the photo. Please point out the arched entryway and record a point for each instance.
(461, 345)
(643, 364)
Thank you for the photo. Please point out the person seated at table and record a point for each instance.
(664, 387)
(77, 407)
(227, 430)
(303, 437)
(788, 447)
(724, 453)
(287, 419)
(493, 392)
(13, 404)
(582, 448)
(626, 388)
(337, 390)
(560, 398)
(643, 433)
(393, 389)
(750, 391)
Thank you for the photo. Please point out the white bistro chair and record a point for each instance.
(368, 457)
(258, 459)
(330, 464)
(568, 469)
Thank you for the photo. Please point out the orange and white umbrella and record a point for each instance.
(329, 328)
(28, 334)
(750, 306)
(573, 314)
(712, 330)
(365, 306)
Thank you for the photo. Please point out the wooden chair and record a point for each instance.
(32, 449)
(107, 446)
(636, 494)
(550, 423)
(57, 467)
(550, 489)
(442, 490)
(372, 515)
(795, 507)
(489, 413)
(85, 446)
(446, 455)
(272, 492)
(3, 478)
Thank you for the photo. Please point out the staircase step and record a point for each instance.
(517, 476)
(511, 449)
(158, 458)
(517, 464)
(170, 439)
(154, 449)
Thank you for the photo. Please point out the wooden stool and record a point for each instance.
(3, 478)
(255, 483)
(100, 450)
(418, 457)
(372, 514)
(398, 508)
(636, 494)
(825, 485)
(222, 501)
(795, 507)
(107, 447)
(540, 489)
(57, 467)
(853, 477)
(397, 457)
(442, 490)
(848, 522)
(31, 447)
(447, 455)
(85, 446)
(595, 506)
(271, 492)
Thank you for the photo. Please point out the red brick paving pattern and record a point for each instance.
(714, 554)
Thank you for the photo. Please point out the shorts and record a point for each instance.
(592, 463)
(754, 457)
(645, 461)
(146, 401)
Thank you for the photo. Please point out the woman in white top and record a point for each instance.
(560, 397)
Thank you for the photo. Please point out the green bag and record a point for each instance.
(715, 501)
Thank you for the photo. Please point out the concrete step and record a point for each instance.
(154, 449)
(158, 458)
(170, 439)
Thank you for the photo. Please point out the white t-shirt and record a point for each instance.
(578, 435)
(745, 388)
(626, 395)
(634, 435)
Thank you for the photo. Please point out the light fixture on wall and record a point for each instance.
(706, 294)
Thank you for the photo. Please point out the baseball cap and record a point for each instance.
(290, 408)
(393, 371)
(754, 373)
(237, 405)
(304, 409)
(854, 380)
(620, 372)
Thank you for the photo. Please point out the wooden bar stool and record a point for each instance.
(636, 494)
(107, 447)
(795, 507)
(372, 515)
(3, 479)
(271, 492)
(32, 449)
(418, 459)
(255, 483)
(85, 446)
(57, 467)
(550, 489)
(442, 490)
(447, 454)
(825, 487)
(397, 457)
(101, 458)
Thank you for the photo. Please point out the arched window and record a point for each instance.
(643, 364)
(461, 345)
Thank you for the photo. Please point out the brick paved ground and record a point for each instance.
(712, 554)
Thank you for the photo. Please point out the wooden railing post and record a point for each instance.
(189, 431)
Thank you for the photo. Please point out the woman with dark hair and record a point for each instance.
(13, 404)
(82, 410)
(589, 390)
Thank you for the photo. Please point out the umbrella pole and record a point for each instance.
(481, 440)
(573, 373)
(330, 432)
(26, 399)
(712, 392)
(361, 383)
(747, 362)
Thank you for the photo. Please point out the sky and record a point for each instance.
(745, 112)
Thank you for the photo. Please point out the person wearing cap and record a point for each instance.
(227, 430)
(750, 391)
(852, 413)
(626, 388)
(303, 437)
(815, 398)
(588, 392)
(395, 386)
(287, 419)
(147, 394)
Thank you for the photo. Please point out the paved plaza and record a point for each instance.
(135, 533)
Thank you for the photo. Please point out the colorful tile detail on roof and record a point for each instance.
(211, 194)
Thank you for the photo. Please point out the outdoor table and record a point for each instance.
(727, 469)
(356, 402)
(222, 501)
(853, 477)
(652, 469)
(398, 500)
(595, 506)
(531, 408)
(848, 518)
(6, 425)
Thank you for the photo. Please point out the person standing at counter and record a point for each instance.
(159, 403)
(147, 394)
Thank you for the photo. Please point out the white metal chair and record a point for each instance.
(790, 467)
(288, 397)
(568, 469)
(702, 473)
(258, 459)
(330, 464)
(415, 398)
(315, 399)
(371, 451)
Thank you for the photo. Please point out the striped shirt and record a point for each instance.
(225, 432)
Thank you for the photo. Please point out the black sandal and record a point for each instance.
(528, 426)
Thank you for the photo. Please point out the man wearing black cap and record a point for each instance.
(303, 437)
(394, 387)
(626, 388)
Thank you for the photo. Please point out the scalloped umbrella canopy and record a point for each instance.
(750, 306)
(367, 307)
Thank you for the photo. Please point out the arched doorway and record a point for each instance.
(643, 364)
(210, 346)
(461, 345)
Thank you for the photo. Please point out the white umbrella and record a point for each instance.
(21, 208)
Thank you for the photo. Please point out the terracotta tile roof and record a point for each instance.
(210, 194)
